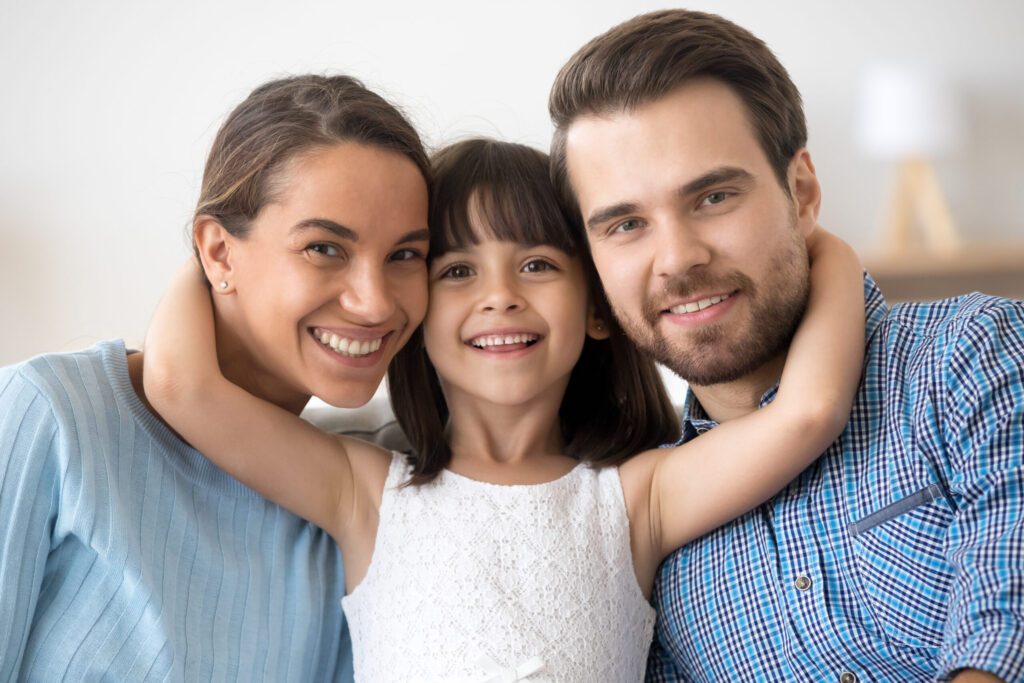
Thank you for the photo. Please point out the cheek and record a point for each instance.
(412, 293)
(435, 326)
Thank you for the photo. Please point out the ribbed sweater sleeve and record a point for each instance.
(127, 555)
(28, 501)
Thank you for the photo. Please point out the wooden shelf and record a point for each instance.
(991, 268)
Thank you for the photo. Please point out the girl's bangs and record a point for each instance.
(497, 192)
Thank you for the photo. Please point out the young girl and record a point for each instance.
(520, 540)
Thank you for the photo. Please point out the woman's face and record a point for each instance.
(331, 280)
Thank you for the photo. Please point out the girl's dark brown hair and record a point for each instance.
(285, 118)
(615, 405)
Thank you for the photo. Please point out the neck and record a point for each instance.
(507, 444)
(241, 366)
(729, 400)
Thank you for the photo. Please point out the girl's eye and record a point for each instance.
(324, 249)
(457, 271)
(538, 266)
(406, 255)
(716, 198)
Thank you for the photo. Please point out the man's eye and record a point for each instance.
(457, 271)
(716, 197)
(627, 225)
(324, 249)
(538, 266)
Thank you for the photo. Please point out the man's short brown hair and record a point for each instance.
(651, 55)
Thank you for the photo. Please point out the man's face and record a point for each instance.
(700, 249)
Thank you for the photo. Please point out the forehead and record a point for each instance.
(362, 187)
(665, 143)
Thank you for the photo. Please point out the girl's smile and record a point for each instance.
(505, 341)
(507, 321)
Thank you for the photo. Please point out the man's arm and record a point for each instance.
(975, 676)
(28, 502)
(983, 426)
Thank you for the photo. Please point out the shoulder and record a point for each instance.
(952, 316)
(934, 332)
(62, 378)
(47, 405)
(73, 394)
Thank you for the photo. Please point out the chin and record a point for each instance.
(349, 396)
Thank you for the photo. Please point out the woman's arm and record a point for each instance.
(725, 472)
(271, 450)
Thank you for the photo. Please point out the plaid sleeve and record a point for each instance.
(984, 431)
(660, 668)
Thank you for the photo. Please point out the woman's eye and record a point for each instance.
(406, 255)
(538, 266)
(324, 249)
(457, 271)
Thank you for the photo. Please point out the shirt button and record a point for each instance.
(802, 583)
(847, 677)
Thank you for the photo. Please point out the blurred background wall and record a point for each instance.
(109, 108)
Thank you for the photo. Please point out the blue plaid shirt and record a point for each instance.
(899, 554)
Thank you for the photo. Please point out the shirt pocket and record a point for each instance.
(906, 577)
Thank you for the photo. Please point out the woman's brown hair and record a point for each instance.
(615, 405)
(282, 119)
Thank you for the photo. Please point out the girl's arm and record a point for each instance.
(271, 450)
(729, 470)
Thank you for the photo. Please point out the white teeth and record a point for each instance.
(695, 306)
(345, 346)
(496, 340)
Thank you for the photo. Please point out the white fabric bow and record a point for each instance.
(500, 674)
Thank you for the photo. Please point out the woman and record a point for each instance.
(124, 553)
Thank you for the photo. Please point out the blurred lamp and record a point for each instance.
(910, 117)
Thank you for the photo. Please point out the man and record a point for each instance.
(897, 556)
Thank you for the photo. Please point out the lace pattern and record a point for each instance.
(476, 582)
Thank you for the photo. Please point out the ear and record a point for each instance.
(596, 326)
(214, 244)
(805, 191)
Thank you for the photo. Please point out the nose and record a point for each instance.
(680, 248)
(367, 294)
(501, 294)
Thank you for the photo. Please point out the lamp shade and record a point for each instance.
(906, 112)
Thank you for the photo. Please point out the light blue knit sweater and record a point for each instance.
(125, 555)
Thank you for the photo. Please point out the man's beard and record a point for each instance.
(717, 353)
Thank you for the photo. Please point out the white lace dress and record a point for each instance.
(473, 582)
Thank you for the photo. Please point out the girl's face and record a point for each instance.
(331, 280)
(506, 322)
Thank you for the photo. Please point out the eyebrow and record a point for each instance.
(420, 235)
(713, 177)
(329, 225)
(723, 174)
(607, 213)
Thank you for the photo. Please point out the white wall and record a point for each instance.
(109, 107)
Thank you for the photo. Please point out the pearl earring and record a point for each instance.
(223, 284)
